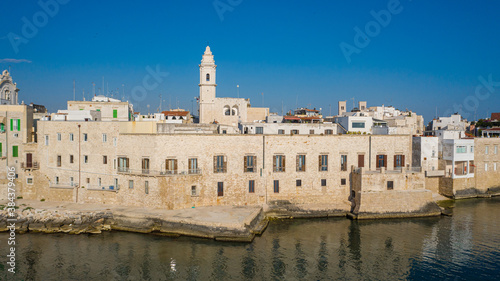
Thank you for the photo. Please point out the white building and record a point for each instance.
(356, 123)
(111, 109)
(454, 122)
(425, 155)
(289, 128)
(155, 117)
(459, 158)
(76, 115)
(385, 120)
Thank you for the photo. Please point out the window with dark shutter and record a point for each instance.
(361, 160)
(301, 163)
(251, 186)
(220, 189)
(323, 163)
(220, 164)
(343, 162)
(390, 185)
(381, 161)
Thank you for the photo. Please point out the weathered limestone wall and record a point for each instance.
(392, 203)
(373, 197)
(257, 113)
(432, 184)
(457, 188)
(487, 180)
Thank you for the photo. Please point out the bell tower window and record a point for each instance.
(208, 77)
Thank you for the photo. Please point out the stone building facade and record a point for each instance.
(106, 162)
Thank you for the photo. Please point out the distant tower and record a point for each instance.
(207, 87)
(342, 107)
(362, 105)
(8, 89)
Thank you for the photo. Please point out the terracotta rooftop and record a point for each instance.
(492, 129)
(175, 113)
(310, 118)
(495, 116)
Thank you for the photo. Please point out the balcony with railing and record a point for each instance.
(157, 173)
(63, 185)
(112, 188)
(30, 166)
(383, 170)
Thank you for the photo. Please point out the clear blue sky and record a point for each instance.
(430, 54)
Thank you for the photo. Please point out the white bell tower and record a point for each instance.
(207, 87)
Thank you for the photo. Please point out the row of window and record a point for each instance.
(279, 162)
(85, 159)
(492, 166)
(487, 149)
(250, 163)
(220, 185)
(85, 138)
(260, 131)
(463, 149)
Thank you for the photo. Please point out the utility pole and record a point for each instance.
(74, 90)
(238, 90)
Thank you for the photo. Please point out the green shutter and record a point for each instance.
(115, 113)
(11, 124)
(1, 150)
(19, 124)
(2, 127)
(14, 151)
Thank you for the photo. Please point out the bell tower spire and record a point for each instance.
(207, 86)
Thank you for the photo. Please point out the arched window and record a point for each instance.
(208, 77)
(227, 110)
(234, 111)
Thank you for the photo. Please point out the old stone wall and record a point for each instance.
(90, 172)
(432, 184)
(487, 172)
(394, 202)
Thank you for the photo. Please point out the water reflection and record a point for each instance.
(464, 246)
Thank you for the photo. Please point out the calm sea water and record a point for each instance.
(463, 247)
